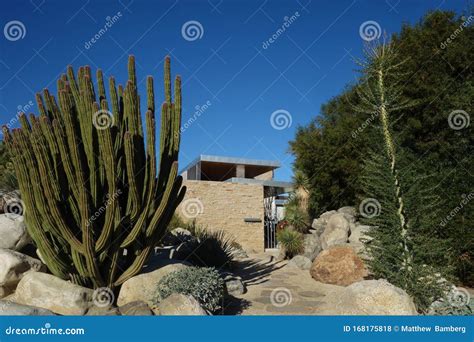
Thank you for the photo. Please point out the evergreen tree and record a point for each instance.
(403, 245)
(331, 149)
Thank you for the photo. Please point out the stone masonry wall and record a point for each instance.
(224, 206)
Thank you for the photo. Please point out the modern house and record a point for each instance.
(237, 195)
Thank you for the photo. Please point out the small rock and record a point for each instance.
(179, 304)
(136, 309)
(52, 293)
(336, 232)
(13, 234)
(338, 265)
(143, 286)
(374, 297)
(9, 308)
(312, 246)
(235, 286)
(300, 261)
(12, 267)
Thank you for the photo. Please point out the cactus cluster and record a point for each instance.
(96, 198)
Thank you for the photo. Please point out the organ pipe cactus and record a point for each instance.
(96, 199)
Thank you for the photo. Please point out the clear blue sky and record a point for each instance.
(310, 62)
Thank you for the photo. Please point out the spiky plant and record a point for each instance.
(296, 216)
(96, 199)
(405, 245)
(291, 241)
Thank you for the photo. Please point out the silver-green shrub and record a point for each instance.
(203, 283)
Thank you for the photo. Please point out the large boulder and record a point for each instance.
(12, 267)
(13, 234)
(349, 213)
(324, 217)
(374, 297)
(143, 286)
(136, 309)
(178, 304)
(336, 231)
(312, 246)
(52, 293)
(320, 223)
(338, 265)
(9, 308)
(317, 227)
(103, 311)
(301, 262)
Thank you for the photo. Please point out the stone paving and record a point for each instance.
(275, 288)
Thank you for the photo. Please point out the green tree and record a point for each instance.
(330, 151)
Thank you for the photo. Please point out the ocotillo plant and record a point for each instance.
(96, 199)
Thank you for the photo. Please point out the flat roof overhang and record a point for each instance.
(222, 168)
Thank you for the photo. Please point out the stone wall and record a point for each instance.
(224, 206)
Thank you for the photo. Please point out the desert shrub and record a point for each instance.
(176, 222)
(203, 283)
(291, 241)
(211, 248)
(296, 216)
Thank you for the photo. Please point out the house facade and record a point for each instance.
(237, 195)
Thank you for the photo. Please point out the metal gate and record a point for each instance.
(270, 233)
